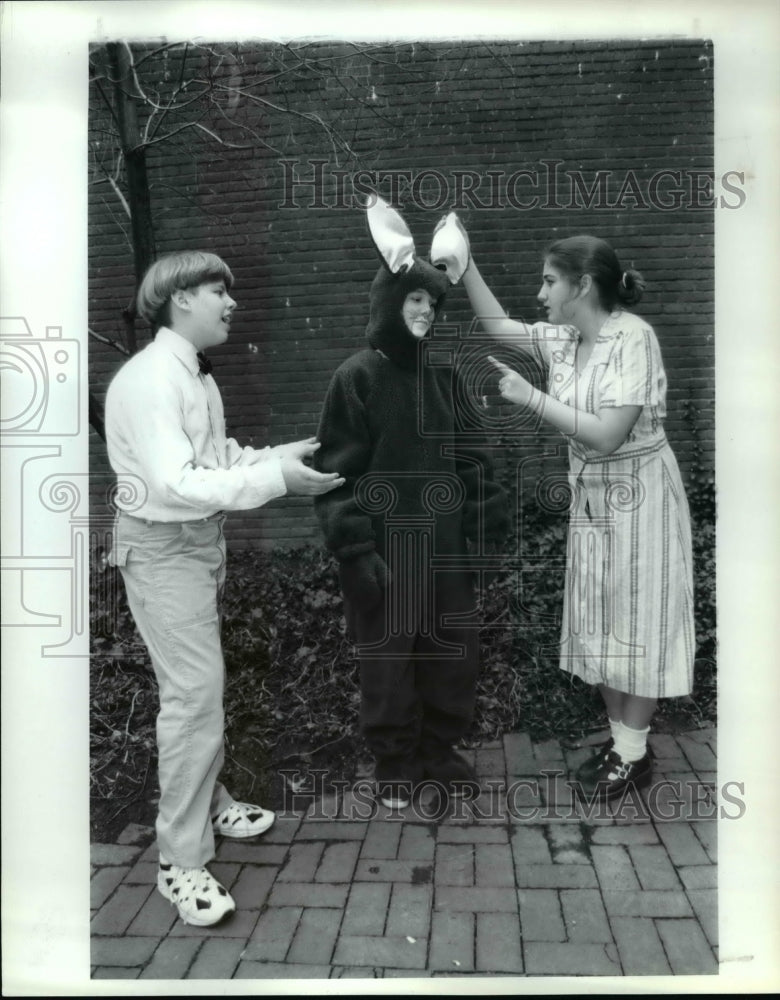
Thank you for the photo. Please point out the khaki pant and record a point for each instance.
(174, 575)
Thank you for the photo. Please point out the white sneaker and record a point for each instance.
(196, 894)
(240, 820)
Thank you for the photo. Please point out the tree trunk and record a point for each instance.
(134, 153)
(96, 416)
(138, 196)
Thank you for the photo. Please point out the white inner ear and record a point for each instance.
(391, 236)
(449, 246)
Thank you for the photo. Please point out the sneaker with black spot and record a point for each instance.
(241, 820)
(200, 899)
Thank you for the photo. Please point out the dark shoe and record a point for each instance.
(613, 776)
(589, 767)
(397, 776)
(454, 773)
(395, 794)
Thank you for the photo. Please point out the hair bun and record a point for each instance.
(631, 287)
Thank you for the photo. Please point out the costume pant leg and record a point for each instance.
(389, 704)
(173, 575)
(447, 684)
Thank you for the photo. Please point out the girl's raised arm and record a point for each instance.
(489, 312)
(451, 250)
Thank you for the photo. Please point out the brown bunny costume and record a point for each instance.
(415, 496)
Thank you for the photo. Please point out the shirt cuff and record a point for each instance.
(266, 476)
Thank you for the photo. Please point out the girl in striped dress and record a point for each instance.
(628, 607)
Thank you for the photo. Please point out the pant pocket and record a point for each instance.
(119, 553)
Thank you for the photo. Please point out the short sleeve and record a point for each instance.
(634, 374)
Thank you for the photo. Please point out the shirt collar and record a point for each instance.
(181, 348)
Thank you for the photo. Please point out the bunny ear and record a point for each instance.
(450, 246)
(390, 234)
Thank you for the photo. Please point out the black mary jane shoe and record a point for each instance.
(589, 767)
(613, 776)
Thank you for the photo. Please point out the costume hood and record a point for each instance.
(402, 272)
(387, 331)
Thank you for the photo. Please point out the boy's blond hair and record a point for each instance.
(184, 269)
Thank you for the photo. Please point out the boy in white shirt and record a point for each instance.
(165, 428)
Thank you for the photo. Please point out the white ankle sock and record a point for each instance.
(630, 744)
(614, 727)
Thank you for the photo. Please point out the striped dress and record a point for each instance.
(628, 605)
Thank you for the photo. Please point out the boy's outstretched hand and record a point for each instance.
(300, 478)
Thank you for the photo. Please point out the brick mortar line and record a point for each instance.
(585, 830)
(195, 954)
(660, 938)
(265, 908)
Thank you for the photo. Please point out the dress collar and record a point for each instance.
(609, 328)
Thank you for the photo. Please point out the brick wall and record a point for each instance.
(594, 124)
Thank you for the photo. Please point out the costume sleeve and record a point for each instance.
(345, 447)
(634, 375)
(486, 514)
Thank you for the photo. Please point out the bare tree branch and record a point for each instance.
(120, 223)
(108, 103)
(136, 82)
(245, 128)
(308, 116)
(156, 52)
(117, 191)
(171, 106)
(188, 125)
(117, 345)
(175, 99)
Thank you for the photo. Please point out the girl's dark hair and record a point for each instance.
(579, 255)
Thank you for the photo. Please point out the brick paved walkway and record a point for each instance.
(520, 882)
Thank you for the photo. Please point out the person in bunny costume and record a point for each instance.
(419, 509)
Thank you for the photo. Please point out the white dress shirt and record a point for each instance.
(165, 426)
